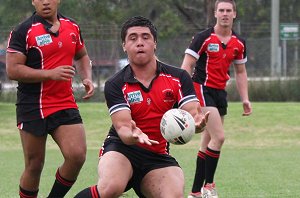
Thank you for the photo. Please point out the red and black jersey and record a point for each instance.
(45, 50)
(214, 58)
(147, 105)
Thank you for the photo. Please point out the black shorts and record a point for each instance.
(46, 126)
(211, 97)
(142, 161)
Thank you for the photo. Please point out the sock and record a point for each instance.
(90, 192)
(60, 187)
(212, 158)
(27, 194)
(200, 172)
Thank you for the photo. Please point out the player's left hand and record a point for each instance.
(89, 88)
(247, 108)
(201, 120)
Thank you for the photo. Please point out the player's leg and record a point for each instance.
(167, 182)
(114, 171)
(72, 143)
(215, 129)
(34, 156)
(199, 177)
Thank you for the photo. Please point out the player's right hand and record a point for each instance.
(247, 108)
(63, 73)
(139, 136)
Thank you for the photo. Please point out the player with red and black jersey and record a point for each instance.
(207, 59)
(215, 57)
(134, 154)
(148, 104)
(45, 51)
(40, 56)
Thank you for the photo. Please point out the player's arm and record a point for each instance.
(17, 70)
(188, 63)
(84, 69)
(127, 130)
(200, 119)
(242, 87)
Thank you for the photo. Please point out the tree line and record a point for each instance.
(172, 17)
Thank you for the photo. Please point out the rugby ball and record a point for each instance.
(177, 126)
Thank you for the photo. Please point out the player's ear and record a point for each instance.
(123, 45)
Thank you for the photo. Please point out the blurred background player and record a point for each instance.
(134, 154)
(208, 59)
(40, 57)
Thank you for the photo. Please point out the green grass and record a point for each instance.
(260, 157)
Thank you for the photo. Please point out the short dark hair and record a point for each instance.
(138, 21)
(226, 1)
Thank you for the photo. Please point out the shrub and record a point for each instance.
(268, 89)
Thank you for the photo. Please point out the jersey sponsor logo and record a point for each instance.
(135, 97)
(44, 39)
(168, 95)
(213, 47)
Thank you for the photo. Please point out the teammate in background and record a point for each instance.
(40, 57)
(134, 154)
(208, 59)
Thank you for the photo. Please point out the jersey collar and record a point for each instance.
(47, 25)
(129, 76)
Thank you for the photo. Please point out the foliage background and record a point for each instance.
(177, 22)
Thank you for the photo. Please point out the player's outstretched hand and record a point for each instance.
(201, 125)
(247, 108)
(89, 88)
(201, 120)
(140, 136)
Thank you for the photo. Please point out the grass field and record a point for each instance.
(260, 157)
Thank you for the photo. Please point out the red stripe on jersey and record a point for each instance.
(199, 93)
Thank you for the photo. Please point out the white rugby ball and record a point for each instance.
(177, 126)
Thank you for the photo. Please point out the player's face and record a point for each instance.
(225, 14)
(46, 8)
(139, 45)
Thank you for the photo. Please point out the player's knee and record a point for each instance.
(221, 139)
(35, 166)
(110, 190)
(78, 156)
(174, 193)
